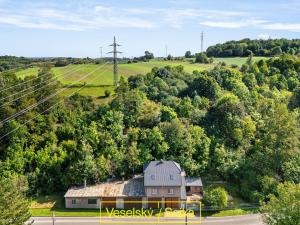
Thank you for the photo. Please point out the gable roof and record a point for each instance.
(193, 181)
(131, 188)
(162, 173)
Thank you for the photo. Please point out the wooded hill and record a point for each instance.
(245, 47)
(239, 125)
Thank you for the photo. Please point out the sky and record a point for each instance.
(77, 28)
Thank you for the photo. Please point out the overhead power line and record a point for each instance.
(45, 99)
(39, 88)
(39, 114)
(24, 82)
(45, 81)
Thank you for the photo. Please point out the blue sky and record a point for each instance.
(78, 28)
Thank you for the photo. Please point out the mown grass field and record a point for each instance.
(100, 77)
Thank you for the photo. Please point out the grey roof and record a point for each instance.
(193, 181)
(162, 173)
(131, 188)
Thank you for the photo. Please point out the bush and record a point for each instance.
(216, 198)
(107, 93)
(284, 207)
(202, 58)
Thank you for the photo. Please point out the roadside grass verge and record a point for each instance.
(230, 212)
(66, 212)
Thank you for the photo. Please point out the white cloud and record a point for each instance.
(233, 24)
(100, 8)
(96, 16)
(49, 18)
(264, 36)
(294, 27)
(176, 18)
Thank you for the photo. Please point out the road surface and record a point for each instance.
(229, 220)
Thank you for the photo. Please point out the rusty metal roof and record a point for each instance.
(130, 188)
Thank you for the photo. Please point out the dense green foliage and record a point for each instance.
(216, 198)
(245, 47)
(202, 58)
(239, 125)
(283, 208)
(14, 207)
(11, 62)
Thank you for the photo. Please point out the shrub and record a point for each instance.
(107, 93)
(216, 198)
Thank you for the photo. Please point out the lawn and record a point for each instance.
(231, 212)
(48, 205)
(65, 212)
(236, 60)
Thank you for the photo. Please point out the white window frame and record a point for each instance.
(152, 176)
(154, 191)
(171, 191)
(171, 177)
(73, 201)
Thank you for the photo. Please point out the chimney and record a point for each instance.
(84, 183)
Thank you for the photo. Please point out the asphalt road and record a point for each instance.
(230, 220)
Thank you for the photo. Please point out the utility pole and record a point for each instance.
(53, 220)
(101, 51)
(115, 52)
(166, 51)
(202, 37)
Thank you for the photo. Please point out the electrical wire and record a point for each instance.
(8, 133)
(24, 82)
(70, 71)
(45, 99)
(7, 103)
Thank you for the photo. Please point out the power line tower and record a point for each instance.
(202, 39)
(115, 52)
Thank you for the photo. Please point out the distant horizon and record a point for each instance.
(37, 28)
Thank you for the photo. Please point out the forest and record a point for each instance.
(246, 47)
(240, 125)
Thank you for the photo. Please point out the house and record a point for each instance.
(163, 184)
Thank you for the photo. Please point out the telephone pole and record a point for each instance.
(101, 51)
(166, 51)
(115, 52)
(202, 37)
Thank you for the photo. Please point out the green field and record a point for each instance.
(100, 77)
(236, 60)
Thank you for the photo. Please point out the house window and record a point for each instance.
(152, 177)
(92, 201)
(171, 191)
(154, 191)
(171, 177)
(73, 201)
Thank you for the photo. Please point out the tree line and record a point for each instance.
(246, 47)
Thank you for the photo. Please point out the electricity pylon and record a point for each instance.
(202, 39)
(115, 52)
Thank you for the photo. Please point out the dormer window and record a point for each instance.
(152, 177)
(171, 177)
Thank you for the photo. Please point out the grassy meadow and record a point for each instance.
(100, 77)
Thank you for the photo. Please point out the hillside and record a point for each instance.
(102, 79)
(245, 47)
